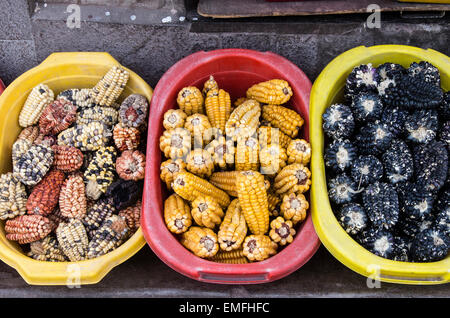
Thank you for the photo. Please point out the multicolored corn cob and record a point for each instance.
(34, 164)
(81, 98)
(13, 197)
(126, 138)
(73, 240)
(45, 195)
(28, 228)
(96, 214)
(130, 165)
(57, 116)
(88, 137)
(106, 115)
(46, 249)
(72, 199)
(110, 86)
(67, 158)
(110, 235)
(100, 173)
(39, 98)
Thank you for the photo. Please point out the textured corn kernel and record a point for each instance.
(175, 143)
(177, 214)
(209, 85)
(72, 199)
(86, 137)
(96, 214)
(273, 201)
(34, 164)
(106, 115)
(218, 108)
(29, 133)
(259, 247)
(252, 196)
(110, 86)
(190, 100)
(169, 169)
(13, 197)
(46, 249)
(109, 236)
(230, 257)
(39, 98)
(247, 154)
(45, 195)
(294, 207)
(239, 101)
(174, 118)
(226, 181)
(199, 127)
(275, 91)
(233, 228)
(287, 120)
(299, 151)
(73, 240)
(189, 187)
(57, 116)
(67, 158)
(294, 178)
(130, 165)
(100, 173)
(243, 121)
(200, 163)
(206, 212)
(222, 152)
(269, 135)
(28, 228)
(201, 241)
(272, 159)
(281, 231)
(126, 138)
(133, 111)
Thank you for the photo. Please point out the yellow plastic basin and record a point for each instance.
(328, 89)
(60, 71)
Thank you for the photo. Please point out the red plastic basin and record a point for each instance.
(2, 87)
(235, 70)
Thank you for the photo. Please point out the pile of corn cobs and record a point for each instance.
(387, 161)
(75, 189)
(239, 179)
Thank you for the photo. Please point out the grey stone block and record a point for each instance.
(15, 20)
(16, 57)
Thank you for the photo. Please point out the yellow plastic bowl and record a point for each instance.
(328, 89)
(60, 71)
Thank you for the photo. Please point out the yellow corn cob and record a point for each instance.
(294, 207)
(200, 163)
(73, 240)
(111, 85)
(201, 241)
(190, 100)
(247, 154)
(199, 126)
(206, 211)
(269, 135)
(225, 180)
(272, 159)
(218, 107)
(294, 178)
(252, 196)
(222, 152)
(239, 101)
(233, 228)
(38, 99)
(209, 85)
(299, 151)
(276, 91)
(177, 214)
(273, 201)
(259, 247)
(189, 187)
(281, 231)
(174, 118)
(169, 169)
(244, 120)
(175, 143)
(287, 120)
(230, 257)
